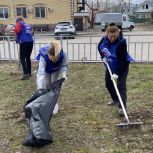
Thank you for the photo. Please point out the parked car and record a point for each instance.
(2, 31)
(65, 29)
(9, 32)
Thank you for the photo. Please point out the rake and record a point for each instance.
(128, 123)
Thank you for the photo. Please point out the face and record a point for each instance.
(112, 36)
(53, 58)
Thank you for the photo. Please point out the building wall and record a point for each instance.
(55, 11)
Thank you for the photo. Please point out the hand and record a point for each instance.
(114, 76)
(106, 60)
(65, 77)
(106, 53)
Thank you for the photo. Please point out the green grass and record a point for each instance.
(85, 124)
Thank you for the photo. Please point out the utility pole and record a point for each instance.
(129, 6)
(122, 6)
(106, 6)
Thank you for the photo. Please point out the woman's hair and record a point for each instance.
(55, 48)
(51, 50)
(112, 29)
(19, 18)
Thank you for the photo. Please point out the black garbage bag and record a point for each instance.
(38, 111)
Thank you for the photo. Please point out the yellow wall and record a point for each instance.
(62, 11)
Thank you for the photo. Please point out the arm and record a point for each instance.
(18, 28)
(121, 52)
(64, 66)
(41, 74)
(100, 47)
(103, 48)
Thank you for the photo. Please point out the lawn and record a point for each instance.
(84, 124)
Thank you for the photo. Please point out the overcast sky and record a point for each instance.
(133, 1)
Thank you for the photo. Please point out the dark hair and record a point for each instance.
(112, 24)
(51, 50)
(112, 29)
(19, 18)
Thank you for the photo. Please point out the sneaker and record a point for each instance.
(112, 103)
(25, 77)
(120, 112)
(56, 109)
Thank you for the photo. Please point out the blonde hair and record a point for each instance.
(55, 48)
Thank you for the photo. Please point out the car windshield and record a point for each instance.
(10, 26)
(64, 24)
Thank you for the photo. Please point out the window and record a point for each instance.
(124, 18)
(21, 11)
(3, 13)
(147, 6)
(143, 7)
(40, 12)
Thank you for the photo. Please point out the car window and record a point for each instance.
(64, 23)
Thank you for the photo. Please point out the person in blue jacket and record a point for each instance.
(113, 49)
(53, 65)
(24, 38)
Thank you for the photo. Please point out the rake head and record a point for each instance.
(130, 125)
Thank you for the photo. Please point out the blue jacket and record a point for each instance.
(26, 33)
(119, 59)
(51, 67)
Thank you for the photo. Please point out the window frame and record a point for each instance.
(3, 12)
(21, 7)
(40, 13)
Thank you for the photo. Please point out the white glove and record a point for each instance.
(64, 76)
(114, 76)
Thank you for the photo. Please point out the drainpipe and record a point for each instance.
(13, 18)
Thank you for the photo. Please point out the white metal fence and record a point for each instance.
(82, 48)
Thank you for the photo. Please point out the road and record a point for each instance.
(84, 47)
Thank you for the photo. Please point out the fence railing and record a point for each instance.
(82, 48)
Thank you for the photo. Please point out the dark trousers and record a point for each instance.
(25, 53)
(121, 84)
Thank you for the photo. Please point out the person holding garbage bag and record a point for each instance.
(52, 65)
(113, 50)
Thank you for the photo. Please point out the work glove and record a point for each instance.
(114, 76)
(106, 53)
(64, 76)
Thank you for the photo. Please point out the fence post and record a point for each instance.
(9, 47)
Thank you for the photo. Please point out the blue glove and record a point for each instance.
(105, 52)
(106, 60)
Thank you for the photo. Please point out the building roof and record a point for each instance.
(141, 4)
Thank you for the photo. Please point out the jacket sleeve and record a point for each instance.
(17, 28)
(41, 74)
(101, 46)
(121, 53)
(64, 66)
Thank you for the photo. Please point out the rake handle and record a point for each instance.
(118, 94)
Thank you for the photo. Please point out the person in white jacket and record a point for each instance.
(53, 65)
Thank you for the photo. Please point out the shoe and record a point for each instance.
(112, 103)
(120, 112)
(56, 109)
(30, 75)
(25, 77)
